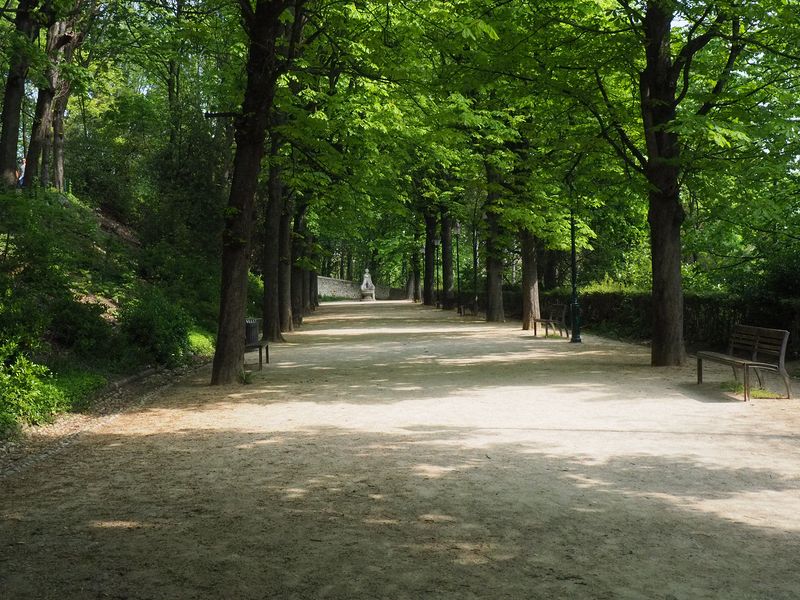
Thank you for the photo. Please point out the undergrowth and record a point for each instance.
(738, 388)
(77, 308)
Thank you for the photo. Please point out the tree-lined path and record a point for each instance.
(396, 451)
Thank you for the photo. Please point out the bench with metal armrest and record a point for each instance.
(752, 348)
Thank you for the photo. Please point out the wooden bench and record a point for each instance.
(253, 340)
(553, 316)
(756, 348)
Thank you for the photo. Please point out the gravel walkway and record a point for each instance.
(394, 451)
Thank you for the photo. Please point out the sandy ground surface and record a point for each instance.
(393, 451)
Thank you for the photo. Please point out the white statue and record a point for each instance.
(367, 287)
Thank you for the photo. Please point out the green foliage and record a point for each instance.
(83, 328)
(245, 377)
(757, 393)
(56, 264)
(157, 327)
(27, 392)
(255, 294)
(79, 387)
(106, 161)
(201, 343)
(31, 268)
(190, 280)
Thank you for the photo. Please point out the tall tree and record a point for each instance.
(429, 258)
(448, 294)
(494, 247)
(530, 279)
(26, 30)
(265, 29)
(63, 37)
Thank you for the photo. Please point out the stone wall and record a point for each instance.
(340, 288)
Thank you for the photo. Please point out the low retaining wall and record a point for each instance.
(341, 288)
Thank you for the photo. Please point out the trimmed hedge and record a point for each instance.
(708, 318)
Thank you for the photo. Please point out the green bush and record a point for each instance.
(157, 327)
(30, 270)
(79, 387)
(80, 326)
(201, 343)
(255, 294)
(27, 392)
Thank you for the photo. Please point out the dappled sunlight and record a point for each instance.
(496, 459)
(436, 518)
(466, 553)
(119, 524)
(295, 493)
(373, 521)
(394, 331)
(424, 498)
(768, 509)
(429, 471)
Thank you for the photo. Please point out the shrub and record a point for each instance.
(79, 387)
(255, 294)
(157, 327)
(27, 393)
(30, 275)
(201, 343)
(81, 327)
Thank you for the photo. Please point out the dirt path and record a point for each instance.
(392, 451)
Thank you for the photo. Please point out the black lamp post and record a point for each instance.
(575, 309)
(458, 270)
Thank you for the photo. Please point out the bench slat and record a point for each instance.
(749, 347)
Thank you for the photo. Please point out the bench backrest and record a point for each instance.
(556, 312)
(759, 343)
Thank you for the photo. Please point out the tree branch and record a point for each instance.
(623, 136)
(694, 45)
(734, 52)
(248, 15)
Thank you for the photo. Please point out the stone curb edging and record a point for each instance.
(113, 388)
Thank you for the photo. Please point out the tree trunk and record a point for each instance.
(272, 228)
(416, 276)
(285, 267)
(309, 275)
(298, 280)
(229, 354)
(38, 157)
(314, 279)
(297, 299)
(59, 110)
(551, 262)
(494, 251)
(665, 214)
(63, 90)
(40, 132)
(429, 268)
(308, 302)
(448, 294)
(530, 280)
(26, 26)
(264, 26)
(665, 218)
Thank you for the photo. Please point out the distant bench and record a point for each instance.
(756, 348)
(554, 316)
(253, 340)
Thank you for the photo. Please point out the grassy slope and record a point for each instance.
(67, 273)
